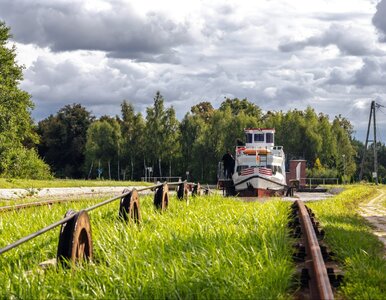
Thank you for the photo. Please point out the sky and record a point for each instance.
(279, 54)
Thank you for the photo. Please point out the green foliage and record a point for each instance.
(63, 139)
(23, 163)
(368, 167)
(16, 127)
(162, 136)
(304, 134)
(318, 165)
(132, 130)
(103, 142)
(238, 106)
(322, 173)
(214, 248)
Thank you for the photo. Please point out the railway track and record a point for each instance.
(318, 271)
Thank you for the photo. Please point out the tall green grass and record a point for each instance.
(351, 238)
(214, 248)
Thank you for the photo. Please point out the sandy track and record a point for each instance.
(375, 213)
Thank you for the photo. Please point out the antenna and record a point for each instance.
(372, 114)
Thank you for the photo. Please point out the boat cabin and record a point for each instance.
(260, 151)
(259, 138)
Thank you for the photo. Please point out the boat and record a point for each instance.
(259, 166)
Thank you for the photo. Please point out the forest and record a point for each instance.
(73, 143)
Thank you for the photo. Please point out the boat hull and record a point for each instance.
(258, 185)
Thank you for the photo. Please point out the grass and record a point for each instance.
(214, 248)
(10, 183)
(350, 237)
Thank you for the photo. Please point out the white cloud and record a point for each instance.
(99, 52)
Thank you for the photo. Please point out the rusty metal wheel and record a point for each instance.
(75, 242)
(183, 191)
(129, 207)
(161, 197)
(196, 190)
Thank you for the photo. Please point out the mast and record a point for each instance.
(372, 115)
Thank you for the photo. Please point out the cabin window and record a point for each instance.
(269, 137)
(259, 137)
(249, 137)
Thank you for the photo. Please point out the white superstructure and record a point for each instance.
(259, 165)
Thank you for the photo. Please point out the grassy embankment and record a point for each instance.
(350, 237)
(32, 187)
(214, 248)
(8, 183)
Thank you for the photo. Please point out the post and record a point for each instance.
(344, 168)
(375, 149)
(367, 140)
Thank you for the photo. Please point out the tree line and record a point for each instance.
(75, 144)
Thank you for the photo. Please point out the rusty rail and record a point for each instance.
(319, 282)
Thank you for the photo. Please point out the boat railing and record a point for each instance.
(323, 181)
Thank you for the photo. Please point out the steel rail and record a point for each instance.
(66, 219)
(39, 203)
(35, 234)
(320, 286)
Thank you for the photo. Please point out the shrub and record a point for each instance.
(21, 162)
(322, 173)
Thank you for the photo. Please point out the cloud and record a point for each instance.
(379, 19)
(372, 73)
(119, 31)
(280, 55)
(349, 40)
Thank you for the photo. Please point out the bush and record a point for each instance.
(21, 162)
(322, 173)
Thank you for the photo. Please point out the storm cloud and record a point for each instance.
(119, 31)
(379, 19)
(280, 55)
(349, 40)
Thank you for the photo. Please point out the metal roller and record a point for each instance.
(75, 242)
(129, 208)
(183, 191)
(196, 190)
(161, 197)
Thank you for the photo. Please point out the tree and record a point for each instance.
(63, 140)
(103, 143)
(162, 134)
(17, 135)
(237, 106)
(345, 152)
(132, 130)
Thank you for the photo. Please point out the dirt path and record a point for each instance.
(375, 213)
